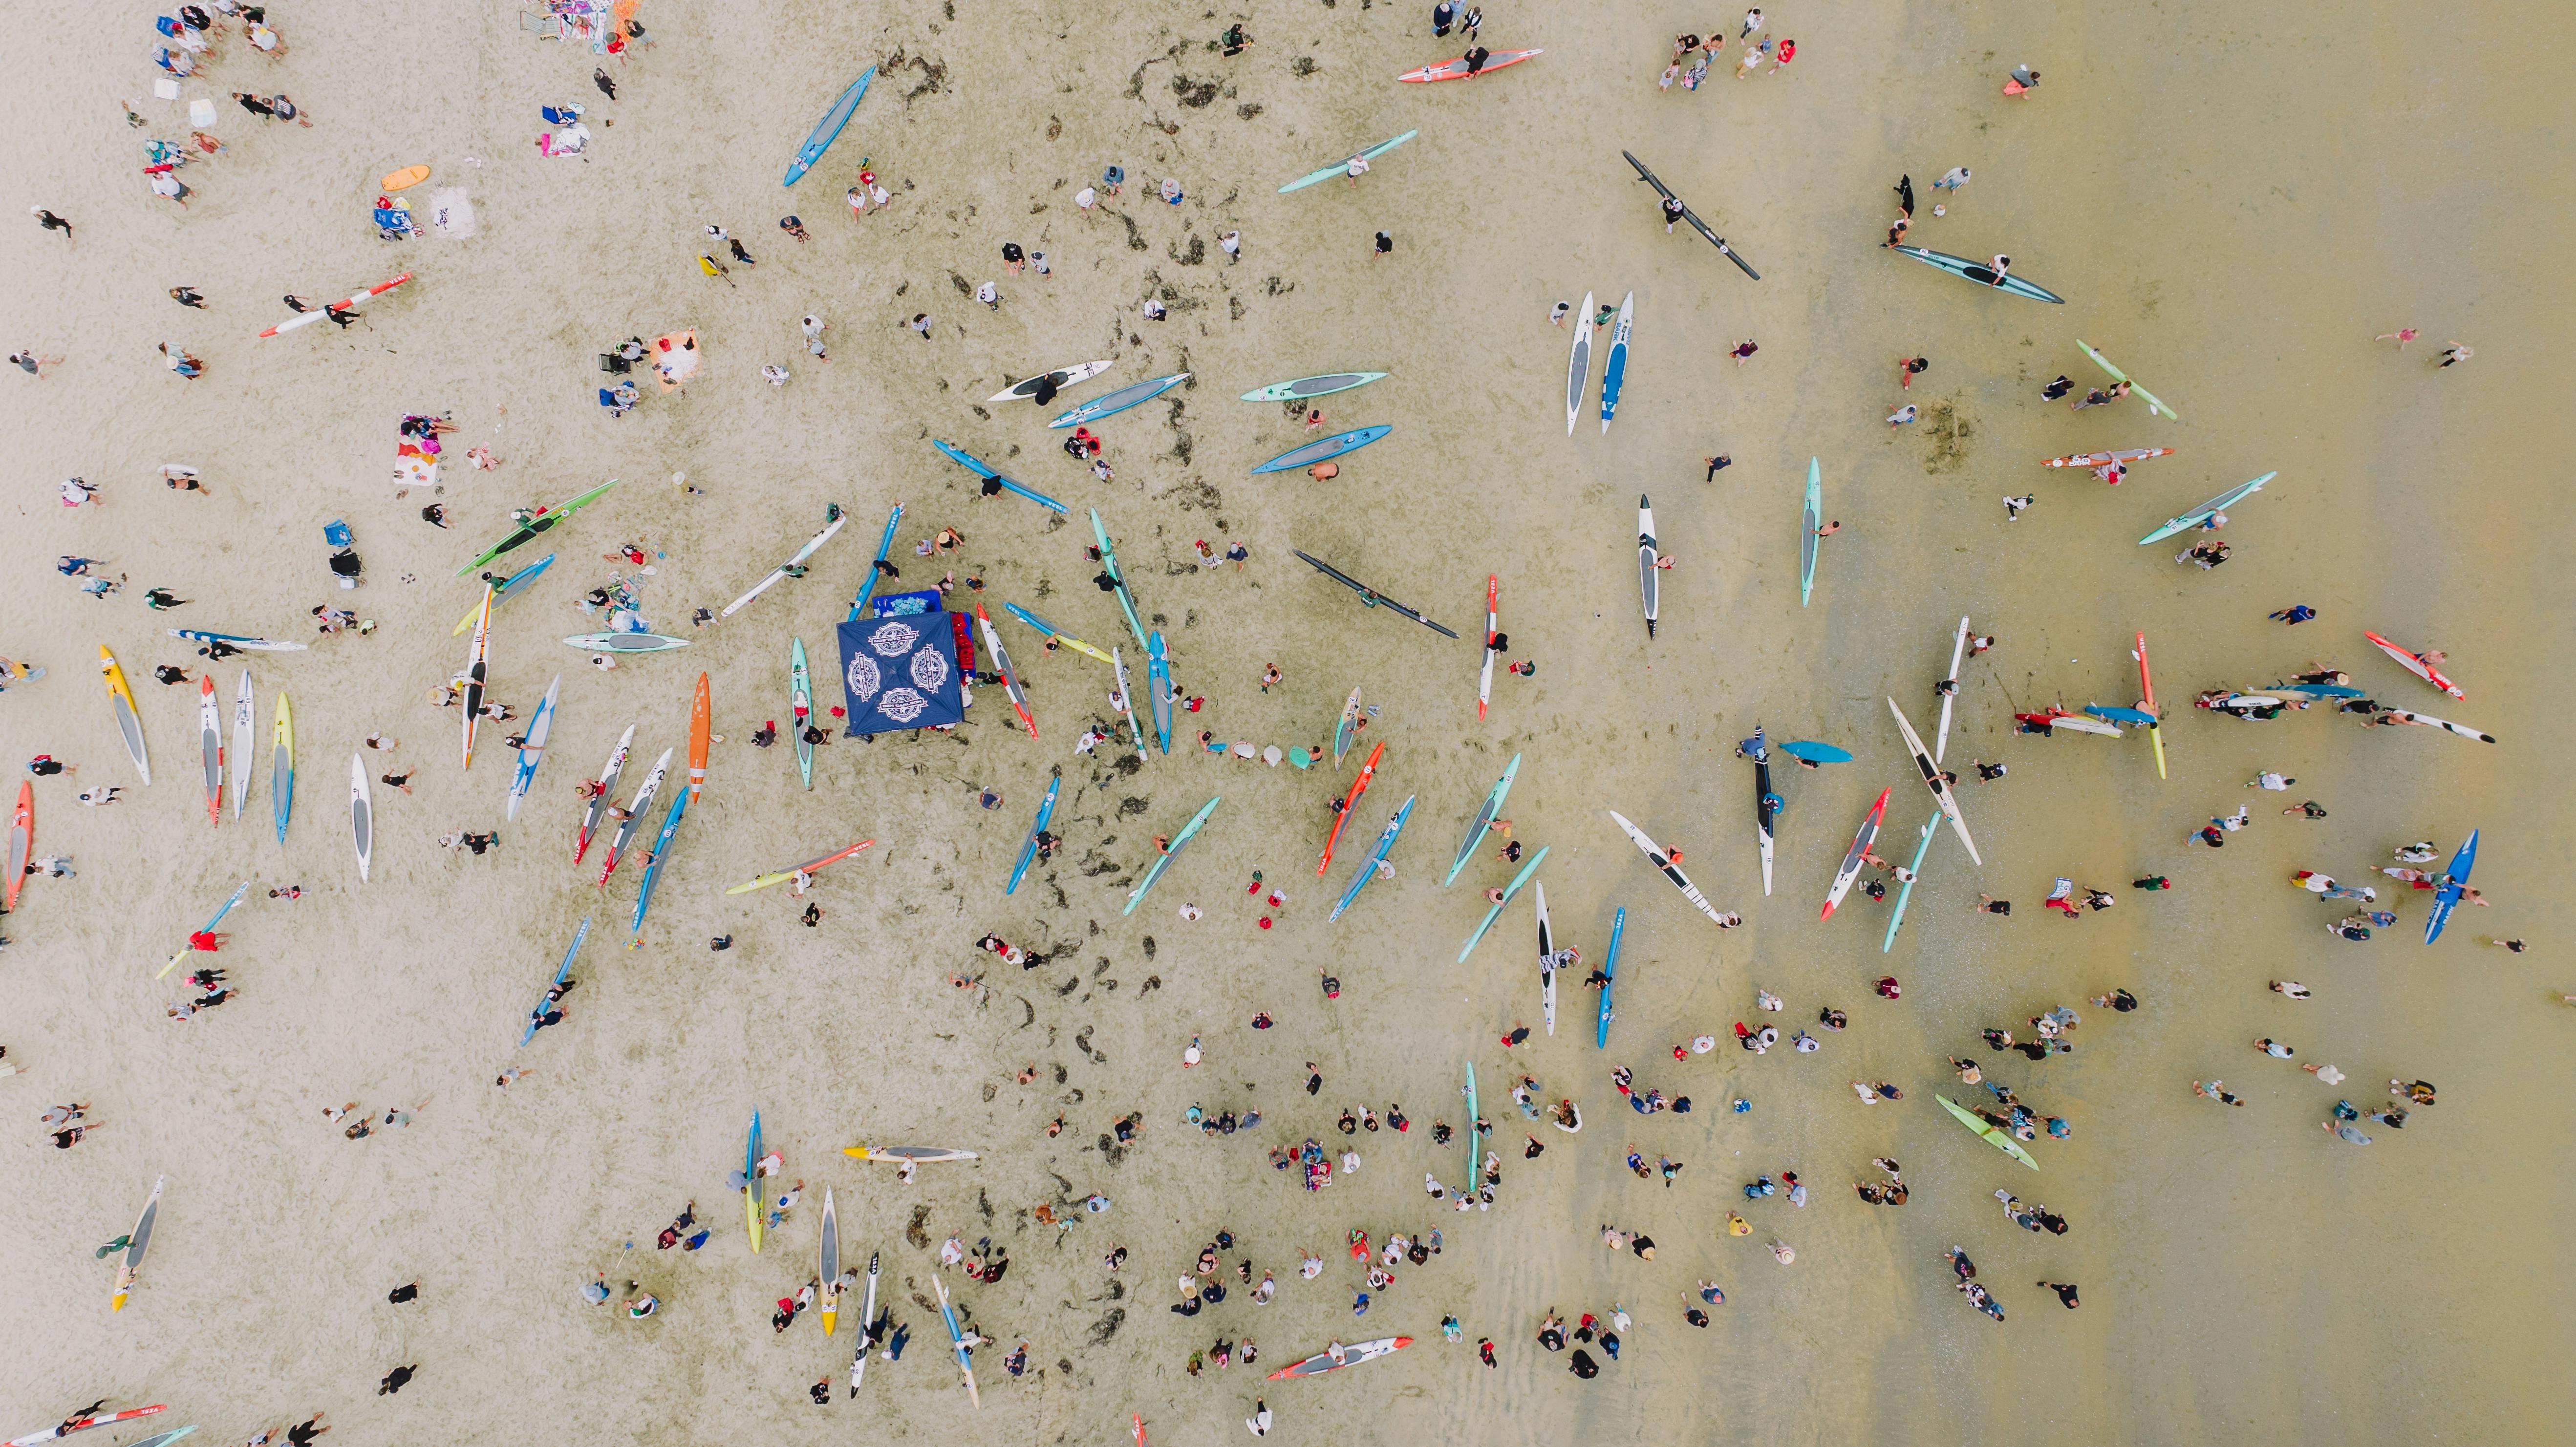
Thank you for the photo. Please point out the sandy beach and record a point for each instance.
(2233, 205)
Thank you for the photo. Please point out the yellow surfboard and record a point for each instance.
(405, 178)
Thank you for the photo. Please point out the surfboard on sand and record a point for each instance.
(828, 129)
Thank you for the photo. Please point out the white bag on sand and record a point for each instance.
(451, 214)
(201, 111)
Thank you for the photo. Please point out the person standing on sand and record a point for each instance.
(50, 221)
(2455, 354)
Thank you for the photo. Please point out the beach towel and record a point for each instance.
(451, 214)
(676, 359)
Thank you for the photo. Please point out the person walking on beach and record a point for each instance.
(2454, 354)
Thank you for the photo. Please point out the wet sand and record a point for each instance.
(2233, 205)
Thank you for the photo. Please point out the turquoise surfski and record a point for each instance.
(1509, 891)
(1610, 977)
(1814, 516)
(1188, 832)
(1158, 677)
(561, 972)
(1323, 384)
(981, 468)
(1322, 448)
(1340, 167)
(868, 585)
(1368, 866)
(2184, 522)
(1029, 850)
(1117, 577)
(828, 129)
(1616, 373)
(1966, 270)
(660, 856)
(1484, 820)
(1109, 404)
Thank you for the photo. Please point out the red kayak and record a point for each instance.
(1457, 69)
(1367, 1351)
(83, 1424)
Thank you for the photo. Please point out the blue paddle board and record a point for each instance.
(1317, 451)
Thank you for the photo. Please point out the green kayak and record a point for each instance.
(1994, 1137)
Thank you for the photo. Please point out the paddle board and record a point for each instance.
(794, 567)
(1368, 595)
(1994, 1137)
(1342, 167)
(1494, 912)
(2445, 725)
(139, 1242)
(2414, 663)
(1180, 840)
(1962, 267)
(1861, 841)
(1368, 866)
(242, 641)
(1615, 374)
(634, 820)
(601, 801)
(1062, 377)
(831, 1263)
(868, 584)
(2105, 459)
(1049, 630)
(624, 642)
(1029, 848)
(1110, 404)
(2154, 403)
(1815, 753)
(1692, 217)
(1610, 977)
(800, 709)
(867, 1319)
(1489, 811)
(1933, 781)
(1353, 1355)
(656, 858)
(1472, 1118)
(915, 1154)
(1322, 384)
(2058, 718)
(701, 734)
(1117, 577)
(981, 468)
(1158, 679)
(1578, 364)
(362, 816)
(1762, 810)
(1649, 591)
(1949, 695)
(1493, 622)
(1457, 69)
(532, 748)
(1812, 518)
(1322, 448)
(22, 842)
(346, 303)
(241, 745)
(210, 746)
(1546, 966)
(120, 702)
(502, 592)
(828, 129)
(1127, 698)
(478, 667)
(1342, 816)
(563, 972)
(2181, 522)
(1346, 727)
(2114, 714)
(751, 1180)
(281, 766)
(808, 867)
(2453, 888)
(1664, 865)
(544, 520)
(164, 1439)
(1020, 700)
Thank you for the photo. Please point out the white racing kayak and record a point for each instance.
(1933, 781)
(794, 567)
(1664, 864)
